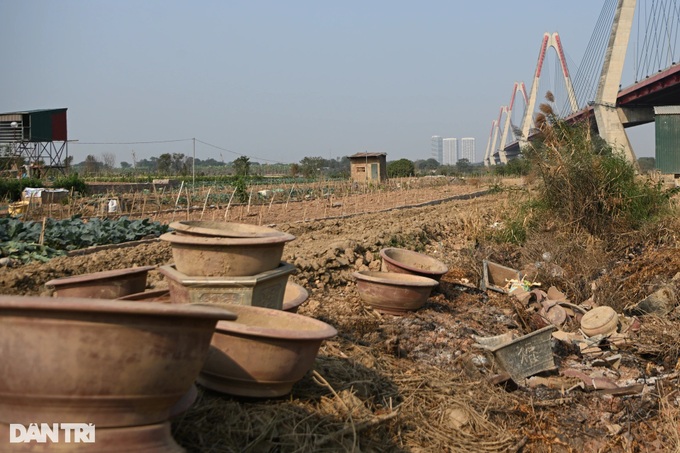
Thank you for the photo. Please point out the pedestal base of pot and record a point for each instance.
(155, 438)
(249, 388)
(262, 290)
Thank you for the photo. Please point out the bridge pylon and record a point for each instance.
(517, 88)
(549, 40)
(607, 118)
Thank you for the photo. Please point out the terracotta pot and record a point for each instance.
(109, 362)
(156, 438)
(600, 321)
(223, 229)
(265, 289)
(209, 256)
(393, 293)
(409, 262)
(102, 285)
(263, 353)
(294, 296)
(156, 295)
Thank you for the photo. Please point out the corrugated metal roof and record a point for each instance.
(667, 110)
(367, 155)
(25, 112)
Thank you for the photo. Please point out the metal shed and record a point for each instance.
(667, 131)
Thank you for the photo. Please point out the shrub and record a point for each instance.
(585, 183)
(12, 189)
(72, 182)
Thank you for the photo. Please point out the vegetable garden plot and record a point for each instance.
(28, 241)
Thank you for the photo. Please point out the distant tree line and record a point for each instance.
(179, 164)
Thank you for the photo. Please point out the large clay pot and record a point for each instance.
(102, 285)
(263, 353)
(409, 262)
(393, 293)
(294, 296)
(155, 295)
(223, 229)
(211, 256)
(156, 438)
(109, 362)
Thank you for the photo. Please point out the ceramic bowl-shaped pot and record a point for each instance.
(294, 296)
(393, 293)
(109, 362)
(223, 229)
(102, 285)
(409, 262)
(156, 438)
(211, 256)
(263, 353)
(156, 295)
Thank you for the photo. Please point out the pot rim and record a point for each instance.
(35, 304)
(323, 332)
(102, 275)
(145, 295)
(440, 268)
(196, 240)
(395, 278)
(203, 228)
(301, 295)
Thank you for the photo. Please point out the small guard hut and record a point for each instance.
(368, 167)
(37, 137)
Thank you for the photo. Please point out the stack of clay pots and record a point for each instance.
(403, 284)
(266, 350)
(223, 262)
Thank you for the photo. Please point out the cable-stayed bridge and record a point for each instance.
(595, 92)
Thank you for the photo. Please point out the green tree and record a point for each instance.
(464, 166)
(294, 169)
(311, 166)
(400, 168)
(241, 166)
(164, 163)
(180, 163)
(91, 164)
(427, 165)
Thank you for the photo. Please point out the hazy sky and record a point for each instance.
(278, 80)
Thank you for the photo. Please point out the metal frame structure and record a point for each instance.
(37, 138)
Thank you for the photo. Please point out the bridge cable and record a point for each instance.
(588, 73)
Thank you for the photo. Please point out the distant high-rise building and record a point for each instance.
(438, 148)
(450, 151)
(467, 149)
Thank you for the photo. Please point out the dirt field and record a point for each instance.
(416, 383)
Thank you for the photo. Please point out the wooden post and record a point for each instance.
(290, 194)
(206, 203)
(271, 201)
(179, 193)
(226, 211)
(42, 231)
(144, 206)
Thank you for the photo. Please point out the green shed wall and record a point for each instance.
(667, 143)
